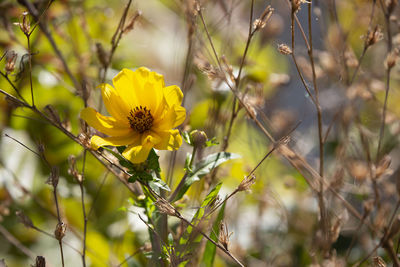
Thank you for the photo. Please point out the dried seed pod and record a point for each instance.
(59, 233)
(383, 166)
(54, 176)
(373, 36)
(297, 3)
(11, 58)
(25, 24)
(40, 261)
(224, 236)
(72, 169)
(246, 183)
(378, 262)
(284, 49)
(132, 22)
(391, 59)
(262, 20)
(165, 207)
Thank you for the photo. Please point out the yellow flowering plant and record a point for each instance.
(143, 116)
(144, 113)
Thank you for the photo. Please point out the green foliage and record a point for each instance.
(192, 237)
(211, 249)
(202, 168)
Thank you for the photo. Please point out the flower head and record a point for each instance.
(143, 114)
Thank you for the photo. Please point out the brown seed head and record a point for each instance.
(391, 59)
(59, 233)
(11, 58)
(54, 176)
(224, 236)
(262, 20)
(140, 119)
(165, 207)
(72, 169)
(378, 262)
(40, 261)
(130, 26)
(296, 5)
(246, 183)
(205, 66)
(373, 36)
(25, 24)
(284, 49)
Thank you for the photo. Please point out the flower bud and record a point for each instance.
(199, 138)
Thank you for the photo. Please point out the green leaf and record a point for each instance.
(121, 149)
(187, 162)
(211, 249)
(204, 167)
(152, 161)
(186, 138)
(156, 184)
(141, 175)
(212, 142)
(200, 216)
(132, 179)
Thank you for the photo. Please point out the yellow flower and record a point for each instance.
(143, 114)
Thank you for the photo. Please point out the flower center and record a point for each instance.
(140, 119)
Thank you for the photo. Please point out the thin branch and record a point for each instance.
(10, 238)
(324, 217)
(309, 174)
(43, 26)
(85, 219)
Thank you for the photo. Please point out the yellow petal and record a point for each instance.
(124, 85)
(150, 137)
(141, 88)
(172, 118)
(107, 125)
(166, 122)
(170, 140)
(180, 116)
(173, 95)
(97, 141)
(137, 154)
(115, 105)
